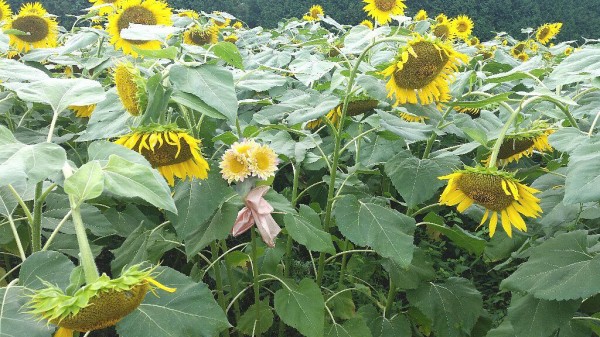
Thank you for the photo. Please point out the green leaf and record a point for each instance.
(229, 53)
(306, 229)
(386, 230)
(60, 93)
(439, 302)
(212, 84)
(8, 203)
(417, 179)
(302, 307)
(143, 245)
(562, 268)
(484, 102)
(577, 67)
(163, 53)
(108, 120)
(14, 321)
(381, 326)
(86, 183)
(533, 66)
(49, 266)
(247, 321)
(532, 317)
(462, 238)
(583, 175)
(409, 131)
(158, 100)
(379, 150)
(189, 311)
(195, 103)
(419, 270)
(128, 179)
(257, 80)
(505, 329)
(355, 327)
(12, 70)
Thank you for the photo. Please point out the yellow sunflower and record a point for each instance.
(515, 147)
(383, 10)
(463, 26)
(523, 57)
(131, 88)
(356, 107)
(221, 22)
(188, 14)
(83, 111)
(105, 6)
(518, 49)
(313, 13)
(497, 191)
(444, 31)
(172, 151)
(263, 161)
(423, 68)
(547, 32)
(407, 116)
(199, 36)
(39, 27)
(142, 12)
(441, 18)
(5, 12)
(568, 51)
(421, 15)
(473, 112)
(231, 38)
(473, 41)
(368, 24)
(238, 25)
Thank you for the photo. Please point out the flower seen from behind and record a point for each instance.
(421, 15)
(131, 88)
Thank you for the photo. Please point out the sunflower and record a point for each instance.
(497, 191)
(473, 41)
(83, 111)
(131, 88)
(463, 25)
(97, 305)
(105, 6)
(547, 32)
(248, 158)
(423, 68)
(523, 57)
(444, 31)
(534, 46)
(518, 49)
(234, 167)
(383, 10)
(407, 116)
(5, 12)
(473, 112)
(514, 147)
(39, 27)
(313, 13)
(188, 14)
(368, 24)
(142, 12)
(199, 36)
(568, 51)
(238, 25)
(421, 15)
(220, 23)
(263, 161)
(356, 107)
(441, 18)
(231, 38)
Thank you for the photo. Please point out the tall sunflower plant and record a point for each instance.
(203, 177)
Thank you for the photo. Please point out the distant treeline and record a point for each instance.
(580, 18)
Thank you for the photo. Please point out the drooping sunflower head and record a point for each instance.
(105, 7)
(220, 22)
(84, 111)
(5, 12)
(523, 57)
(248, 158)
(473, 112)
(238, 25)
(199, 36)
(313, 13)
(141, 12)
(131, 87)
(356, 106)
(547, 32)
(97, 305)
(423, 68)
(368, 24)
(473, 41)
(523, 144)
(383, 10)
(169, 149)
(40, 29)
(463, 25)
(499, 192)
(231, 38)
(421, 15)
(441, 18)
(444, 31)
(518, 49)
(411, 118)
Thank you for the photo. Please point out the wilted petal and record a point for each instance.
(267, 227)
(243, 222)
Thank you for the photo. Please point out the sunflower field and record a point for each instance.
(169, 172)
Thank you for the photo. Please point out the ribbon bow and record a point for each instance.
(257, 211)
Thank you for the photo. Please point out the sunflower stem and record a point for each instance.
(36, 224)
(21, 203)
(234, 287)
(86, 257)
(498, 143)
(13, 228)
(390, 299)
(255, 274)
(218, 279)
(433, 136)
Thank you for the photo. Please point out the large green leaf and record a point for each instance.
(579, 66)
(212, 84)
(12, 70)
(419, 270)
(408, 131)
(52, 267)
(417, 179)
(86, 183)
(306, 229)
(355, 327)
(302, 307)
(143, 245)
(60, 93)
(189, 311)
(562, 268)
(128, 179)
(381, 326)
(257, 80)
(247, 323)
(386, 230)
(461, 238)
(583, 175)
(440, 303)
(229, 53)
(532, 317)
(14, 321)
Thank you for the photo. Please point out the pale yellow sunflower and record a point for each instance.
(463, 26)
(131, 88)
(40, 28)
(547, 32)
(368, 24)
(5, 12)
(421, 15)
(422, 71)
(172, 151)
(263, 161)
(248, 158)
(142, 12)
(105, 7)
(497, 191)
(199, 36)
(83, 111)
(234, 166)
(313, 13)
(383, 10)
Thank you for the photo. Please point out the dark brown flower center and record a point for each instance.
(544, 32)
(359, 107)
(462, 26)
(420, 71)
(442, 31)
(511, 147)
(200, 37)
(164, 155)
(138, 15)
(486, 190)
(36, 26)
(385, 5)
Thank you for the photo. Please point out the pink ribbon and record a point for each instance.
(258, 211)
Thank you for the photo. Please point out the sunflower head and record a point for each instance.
(199, 36)
(568, 51)
(221, 22)
(313, 13)
(5, 12)
(499, 192)
(40, 29)
(172, 151)
(97, 305)
(523, 57)
(248, 158)
(356, 106)
(547, 32)
(368, 24)
(518, 49)
(411, 118)
(188, 14)
(131, 87)
(463, 26)
(231, 38)
(142, 12)
(441, 18)
(473, 41)
(238, 25)
(421, 15)
(83, 111)
(104, 7)
(473, 112)
(383, 10)
(523, 144)
(423, 68)
(444, 31)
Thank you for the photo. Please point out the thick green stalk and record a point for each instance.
(390, 298)
(219, 279)
(86, 258)
(498, 143)
(255, 281)
(234, 286)
(36, 224)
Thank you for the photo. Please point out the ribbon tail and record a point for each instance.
(243, 222)
(268, 229)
